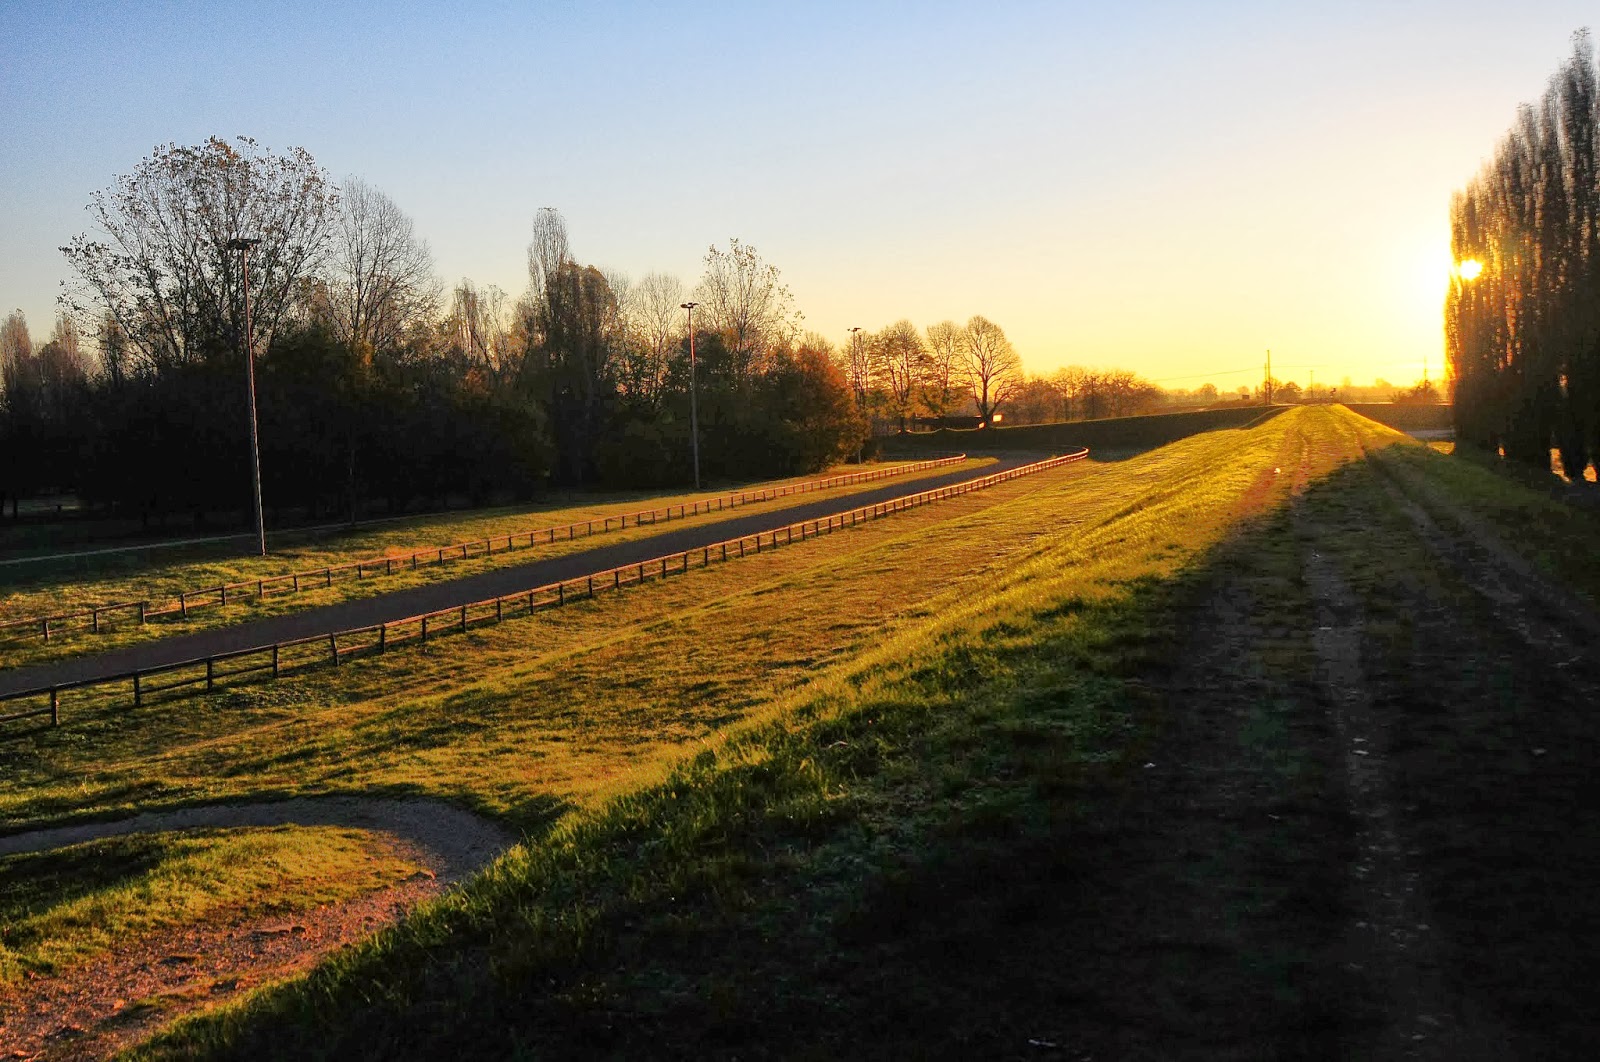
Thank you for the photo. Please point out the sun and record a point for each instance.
(1469, 269)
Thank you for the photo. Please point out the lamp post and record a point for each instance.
(859, 382)
(243, 247)
(694, 413)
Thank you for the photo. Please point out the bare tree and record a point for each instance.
(655, 324)
(160, 263)
(902, 365)
(858, 367)
(17, 364)
(747, 303)
(575, 330)
(994, 371)
(381, 274)
(945, 386)
(478, 325)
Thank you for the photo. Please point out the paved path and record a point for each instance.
(433, 597)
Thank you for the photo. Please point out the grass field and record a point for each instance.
(1062, 766)
(60, 907)
(69, 586)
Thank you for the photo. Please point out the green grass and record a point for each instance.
(76, 585)
(61, 907)
(1111, 434)
(926, 799)
(965, 783)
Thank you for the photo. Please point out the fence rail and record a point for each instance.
(94, 618)
(332, 648)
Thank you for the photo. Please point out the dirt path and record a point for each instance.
(93, 1009)
(1391, 941)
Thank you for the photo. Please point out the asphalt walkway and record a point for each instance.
(500, 582)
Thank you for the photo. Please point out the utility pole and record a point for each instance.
(694, 414)
(1266, 386)
(1311, 389)
(243, 247)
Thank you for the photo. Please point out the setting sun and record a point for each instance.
(1469, 269)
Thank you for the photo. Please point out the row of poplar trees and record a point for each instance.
(1522, 317)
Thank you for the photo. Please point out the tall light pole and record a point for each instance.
(243, 247)
(860, 382)
(694, 413)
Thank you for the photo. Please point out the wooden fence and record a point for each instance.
(98, 616)
(207, 672)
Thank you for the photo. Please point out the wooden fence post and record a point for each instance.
(274, 661)
(138, 694)
(497, 614)
(224, 591)
(55, 707)
(183, 604)
(424, 638)
(463, 617)
(561, 593)
(333, 649)
(97, 621)
(591, 587)
(141, 613)
(211, 674)
(383, 637)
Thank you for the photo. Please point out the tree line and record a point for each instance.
(379, 386)
(1522, 315)
(375, 384)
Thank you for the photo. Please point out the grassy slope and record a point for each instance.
(65, 587)
(904, 855)
(1039, 805)
(1110, 433)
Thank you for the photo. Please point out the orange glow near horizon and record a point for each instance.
(1469, 269)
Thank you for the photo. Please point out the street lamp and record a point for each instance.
(694, 414)
(243, 247)
(859, 381)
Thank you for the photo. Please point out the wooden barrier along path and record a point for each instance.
(27, 628)
(172, 664)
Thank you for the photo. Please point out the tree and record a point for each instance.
(746, 302)
(161, 266)
(655, 323)
(381, 277)
(944, 387)
(575, 331)
(994, 371)
(901, 364)
(1038, 401)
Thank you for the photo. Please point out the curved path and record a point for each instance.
(89, 1010)
(433, 597)
(457, 842)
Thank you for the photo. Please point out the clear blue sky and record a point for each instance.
(1166, 187)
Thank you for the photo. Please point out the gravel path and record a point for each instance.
(442, 595)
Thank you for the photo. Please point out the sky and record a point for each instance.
(1173, 188)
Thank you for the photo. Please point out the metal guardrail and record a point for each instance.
(208, 671)
(94, 618)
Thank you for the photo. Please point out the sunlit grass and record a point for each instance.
(743, 770)
(61, 907)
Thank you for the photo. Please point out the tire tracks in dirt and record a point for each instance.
(1392, 942)
(92, 1009)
